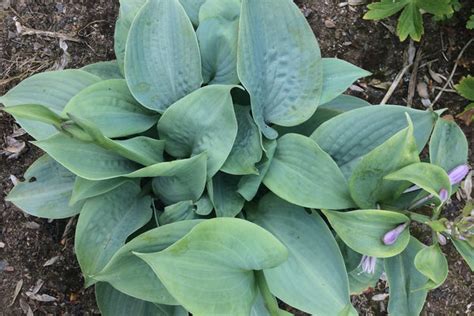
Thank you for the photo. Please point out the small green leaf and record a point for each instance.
(112, 302)
(222, 190)
(470, 23)
(466, 251)
(410, 23)
(430, 178)
(466, 88)
(105, 70)
(247, 150)
(162, 60)
(210, 271)
(105, 223)
(303, 174)
(438, 8)
(121, 271)
(363, 231)
(46, 190)
(180, 211)
(448, 145)
(203, 121)
(308, 281)
(279, 63)
(406, 283)
(338, 75)
(432, 263)
(118, 114)
(384, 8)
(367, 184)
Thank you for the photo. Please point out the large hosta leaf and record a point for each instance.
(308, 280)
(203, 121)
(222, 190)
(303, 174)
(338, 75)
(110, 105)
(325, 112)
(112, 302)
(448, 145)
(105, 223)
(210, 271)
(279, 63)
(162, 60)
(368, 185)
(46, 190)
(351, 135)
(406, 283)
(51, 89)
(363, 231)
(104, 70)
(131, 275)
(466, 251)
(192, 8)
(247, 150)
(84, 189)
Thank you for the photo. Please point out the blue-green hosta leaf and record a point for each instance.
(308, 280)
(448, 145)
(131, 275)
(186, 181)
(303, 174)
(51, 89)
(363, 231)
(229, 10)
(105, 223)
(249, 184)
(218, 43)
(111, 107)
(351, 135)
(84, 189)
(466, 251)
(180, 211)
(325, 112)
(222, 190)
(46, 190)
(432, 263)
(203, 121)
(279, 63)
(204, 206)
(112, 302)
(162, 60)
(35, 113)
(192, 8)
(367, 183)
(407, 295)
(247, 150)
(338, 76)
(104, 70)
(430, 178)
(210, 271)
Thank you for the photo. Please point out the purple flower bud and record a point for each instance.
(442, 240)
(367, 263)
(443, 194)
(458, 174)
(391, 237)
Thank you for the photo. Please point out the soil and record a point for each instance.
(27, 243)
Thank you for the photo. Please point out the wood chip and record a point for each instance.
(329, 24)
(32, 225)
(2, 245)
(379, 297)
(24, 306)
(51, 261)
(18, 287)
(422, 89)
(41, 297)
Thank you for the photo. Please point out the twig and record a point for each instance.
(395, 83)
(453, 71)
(413, 78)
(23, 30)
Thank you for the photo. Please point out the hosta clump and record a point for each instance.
(216, 166)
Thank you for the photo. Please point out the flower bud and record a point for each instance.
(442, 240)
(458, 174)
(444, 195)
(391, 237)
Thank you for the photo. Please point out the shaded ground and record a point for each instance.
(28, 243)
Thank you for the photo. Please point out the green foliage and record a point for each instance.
(410, 21)
(216, 166)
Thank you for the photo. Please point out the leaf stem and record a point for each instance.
(270, 301)
(423, 219)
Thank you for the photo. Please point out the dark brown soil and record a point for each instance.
(31, 242)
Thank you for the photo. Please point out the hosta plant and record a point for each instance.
(216, 167)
